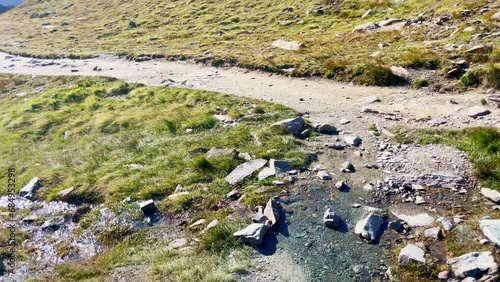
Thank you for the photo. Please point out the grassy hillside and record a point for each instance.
(242, 32)
(111, 140)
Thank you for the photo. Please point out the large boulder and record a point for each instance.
(476, 265)
(252, 234)
(244, 170)
(331, 219)
(370, 227)
(293, 125)
(29, 190)
(411, 254)
(491, 229)
(491, 194)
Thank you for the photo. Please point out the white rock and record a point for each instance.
(323, 175)
(353, 140)
(491, 229)
(491, 194)
(473, 264)
(411, 253)
(477, 111)
(178, 243)
(419, 200)
(433, 233)
(244, 170)
(447, 225)
(266, 173)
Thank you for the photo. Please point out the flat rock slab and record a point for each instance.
(280, 166)
(288, 45)
(266, 173)
(29, 190)
(475, 265)
(252, 234)
(491, 229)
(244, 170)
(477, 111)
(411, 254)
(293, 125)
(64, 194)
(422, 219)
(492, 195)
(365, 27)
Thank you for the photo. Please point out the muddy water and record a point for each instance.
(323, 253)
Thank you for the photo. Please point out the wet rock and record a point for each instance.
(370, 227)
(271, 211)
(353, 140)
(65, 194)
(29, 190)
(491, 194)
(244, 170)
(288, 45)
(475, 265)
(325, 128)
(323, 175)
(293, 125)
(331, 219)
(491, 229)
(252, 234)
(411, 254)
(53, 223)
(365, 27)
(433, 233)
(477, 111)
(221, 153)
(447, 225)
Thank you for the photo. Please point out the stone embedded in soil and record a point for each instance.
(491, 194)
(323, 175)
(369, 110)
(331, 219)
(493, 99)
(288, 45)
(411, 254)
(211, 225)
(347, 167)
(340, 185)
(400, 71)
(178, 243)
(422, 219)
(64, 194)
(365, 27)
(325, 128)
(244, 170)
(444, 275)
(198, 223)
(293, 125)
(433, 233)
(344, 121)
(477, 265)
(477, 111)
(233, 195)
(221, 153)
(370, 227)
(419, 200)
(266, 173)
(491, 229)
(53, 223)
(29, 190)
(397, 226)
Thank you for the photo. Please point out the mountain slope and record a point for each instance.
(237, 32)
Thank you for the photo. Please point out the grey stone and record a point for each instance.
(491, 194)
(411, 254)
(496, 16)
(444, 275)
(475, 264)
(30, 218)
(147, 206)
(271, 211)
(288, 45)
(293, 125)
(244, 170)
(198, 223)
(370, 227)
(433, 233)
(178, 243)
(347, 167)
(367, 13)
(477, 111)
(344, 121)
(419, 200)
(389, 22)
(365, 27)
(340, 185)
(64, 194)
(400, 71)
(233, 195)
(353, 140)
(422, 219)
(280, 167)
(491, 229)
(447, 225)
(331, 219)
(368, 110)
(335, 146)
(266, 173)
(252, 234)
(53, 223)
(221, 153)
(477, 48)
(325, 128)
(323, 175)
(29, 190)
(210, 225)
(245, 156)
(493, 99)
